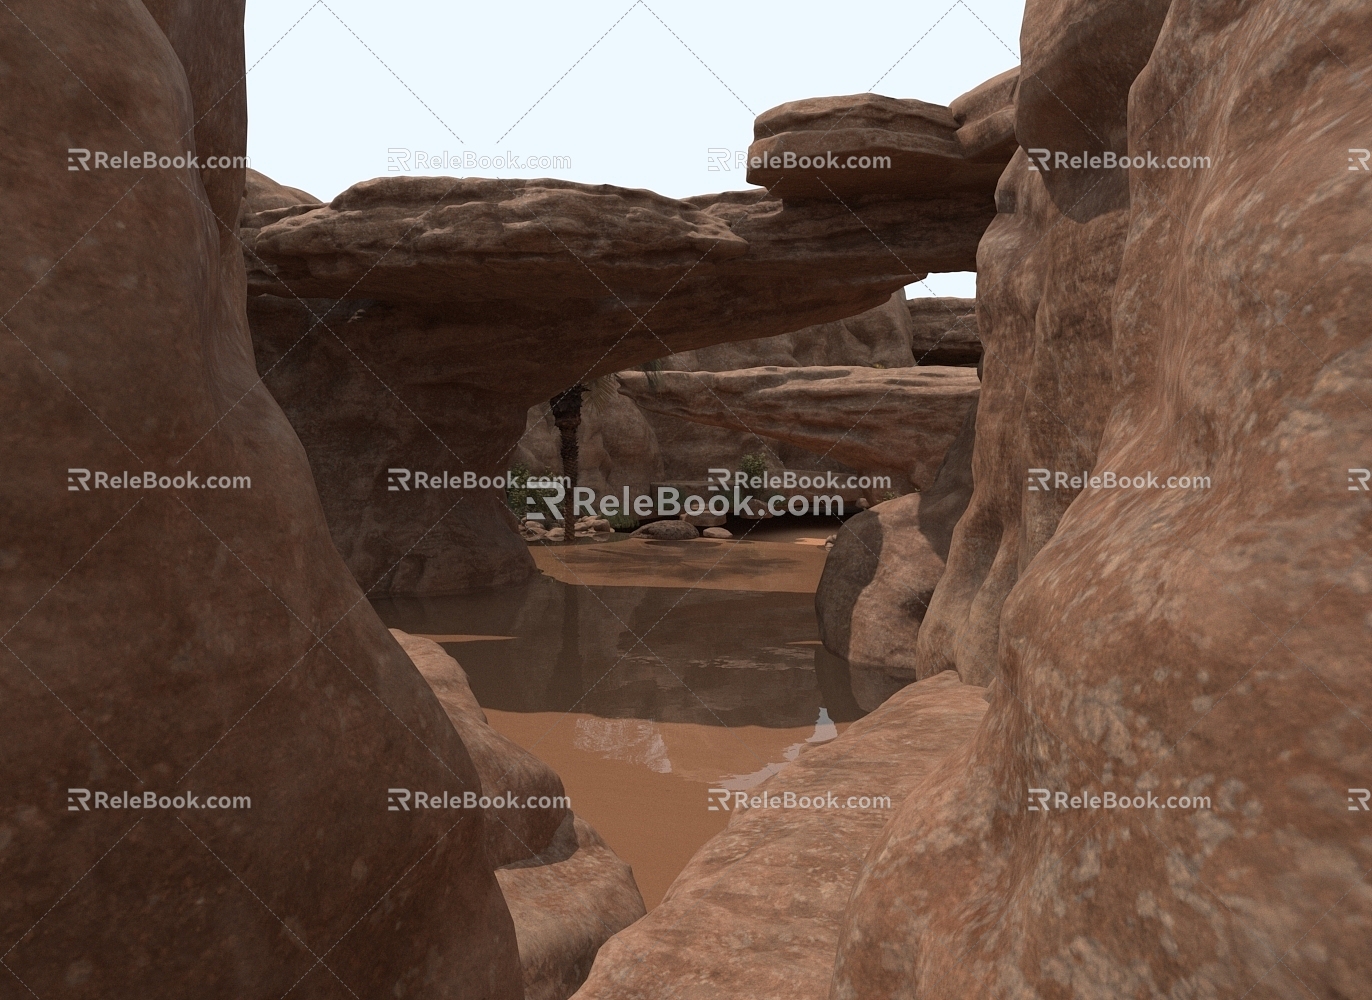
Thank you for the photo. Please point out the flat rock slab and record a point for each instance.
(756, 913)
(875, 420)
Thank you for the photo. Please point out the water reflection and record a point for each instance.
(710, 657)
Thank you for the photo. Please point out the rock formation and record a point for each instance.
(623, 445)
(881, 575)
(617, 442)
(944, 331)
(1152, 641)
(181, 641)
(391, 318)
(877, 338)
(896, 422)
(566, 890)
(1202, 643)
(756, 913)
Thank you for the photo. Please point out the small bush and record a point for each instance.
(753, 465)
(517, 492)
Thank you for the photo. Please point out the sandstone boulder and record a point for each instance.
(566, 906)
(513, 833)
(924, 145)
(882, 571)
(670, 530)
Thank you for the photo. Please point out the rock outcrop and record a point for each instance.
(896, 422)
(622, 445)
(566, 907)
(929, 151)
(567, 892)
(180, 642)
(418, 318)
(756, 913)
(882, 572)
(1162, 642)
(877, 338)
(943, 331)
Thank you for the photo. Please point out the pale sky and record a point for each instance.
(661, 87)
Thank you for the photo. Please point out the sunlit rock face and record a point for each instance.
(1208, 641)
(187, 642)
(413, 321)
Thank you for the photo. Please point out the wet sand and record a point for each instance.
(648, 672)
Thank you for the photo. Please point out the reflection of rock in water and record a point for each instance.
(825, 730)
(634, 741)
(711, 657)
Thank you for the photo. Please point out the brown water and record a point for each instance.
(646, 673)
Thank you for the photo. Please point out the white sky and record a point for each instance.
(637, 110)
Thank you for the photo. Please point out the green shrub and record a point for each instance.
(623, 522)
(517, 492)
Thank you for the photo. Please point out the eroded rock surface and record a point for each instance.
(898, 422)
(1171, 642)
(877, 338)
(622, 445)
(419, 318)
(190, 641)
(567, 892)
(566, 907)
(756, 912)
(882, 572)
(944, 331)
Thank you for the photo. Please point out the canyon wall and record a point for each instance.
(178, 640)
(1151, 641)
